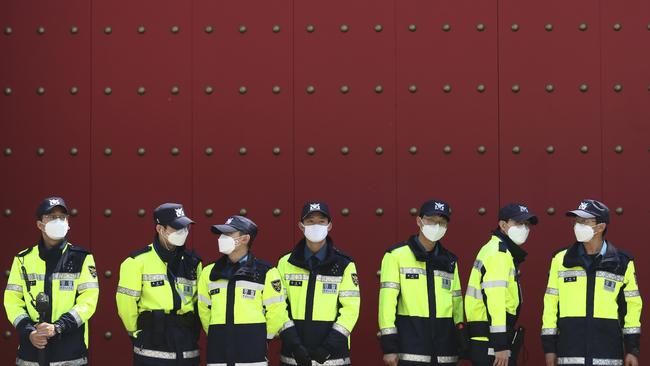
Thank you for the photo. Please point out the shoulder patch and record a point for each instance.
(25, 252)
(395, 246)
(140, 251)
(277, 285)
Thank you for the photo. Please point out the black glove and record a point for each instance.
(301, 355)
(320, 354)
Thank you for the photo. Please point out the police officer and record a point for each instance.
(66, 274)
(322, 292)
(157, 293)
(592, 305)
(420, 299)
(493, 296)
(241, 299)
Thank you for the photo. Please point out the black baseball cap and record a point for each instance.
(237, 223)
(49, 204)
(171, 214)
(435, 207)
(315, 206)
(591, 209)
(517, 212)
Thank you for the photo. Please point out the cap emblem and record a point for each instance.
(314, 206)
(583, 206)
(180, 212)
(440, 206)
(55, 202)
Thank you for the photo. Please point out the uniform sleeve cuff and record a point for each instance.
(549, 343)
(499, 341)
(389, 343)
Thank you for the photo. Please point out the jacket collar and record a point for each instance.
(164, 254)
(225, 269)
(609, 261)
(297, 257)
(439, 257)
(51, 254)
(518, 254)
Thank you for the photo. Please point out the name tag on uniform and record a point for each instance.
(157, 283)
(187, 289)
(412, 276)
(214, 291)
(446, 283)
(610, 285)
(329, 288)
(248, 293)
(66, 285)
(570, 279)
(295, 283)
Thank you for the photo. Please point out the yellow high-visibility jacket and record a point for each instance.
(493, 296)
(420, 303)
(68, 275)
(323, 302)
(591, 312)
(241, 306)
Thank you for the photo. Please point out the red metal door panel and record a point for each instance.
(625, 115)
(44, 132)
(344, 135)
(447, 136)
(245, 118)
(545, 119)
(243, 141)
(141, 138)
(373, 106)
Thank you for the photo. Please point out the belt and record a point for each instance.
(330, 362)
(77, 362)
(163, 354)
(262, 363)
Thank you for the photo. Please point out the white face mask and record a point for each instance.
(316, 233)
(57, 229)
(177, 238)
(584, 233)
(518, 234)
(434, 232)
(226, 244)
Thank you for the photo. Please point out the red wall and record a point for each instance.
(454, 143)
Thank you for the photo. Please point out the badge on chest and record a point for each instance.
(446, 283)
(247, 293)
(610, 286)
(157, 283)
(66, 285)
(412, 276)
(329, 288)
(295, 283)
(570, 279)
